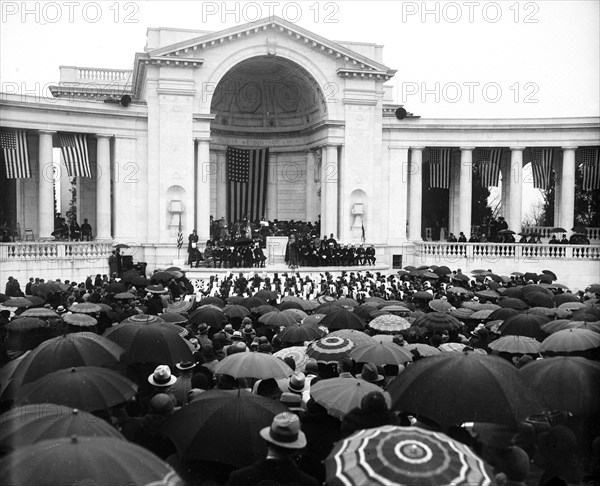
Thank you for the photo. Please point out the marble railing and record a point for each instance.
(546, 232)
(53, 250)
(507, 250)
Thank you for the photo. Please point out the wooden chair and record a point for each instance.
(29, 235)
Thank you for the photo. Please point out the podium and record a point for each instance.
(276, 250)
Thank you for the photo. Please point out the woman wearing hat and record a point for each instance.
(284, 440)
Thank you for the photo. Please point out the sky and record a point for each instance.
(463, 59)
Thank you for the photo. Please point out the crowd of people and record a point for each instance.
(555, 448)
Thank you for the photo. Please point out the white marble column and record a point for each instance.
(451, 201)
(272, 186)
(329, 191)
(46, 186)
(514, 218)
(221, 189)
(415, 191)
(203, 188)
(567, 189)
(397, 199)
(103, 204)
(465, 191)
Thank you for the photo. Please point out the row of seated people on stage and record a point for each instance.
(309, 251)
(71, 231)
(534, 238)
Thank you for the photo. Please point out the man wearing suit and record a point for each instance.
(193, 252)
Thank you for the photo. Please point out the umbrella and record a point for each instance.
(594, 288)
(523, 325)
(173, 318)
(235, 311)
(442, 271)
(423, 349)
(550, 273)
(296, 314)
(297, 333)
(155, 289)
(51, 287)
(290, 305)
(234, 299)
(124, 296)
(313, 319)
(459, 291)
(572, 306)
(538, 299)
(515, 292)
(266, 294)
(460, 277)
(213, 316)
(298, 354)
(115, 288)
(543, 311)
(41, 313)
(451, 347)
(89, 388)
(356, 337)
(264, 309)
(380, 353)
(389, 323)
(180, 307)
(506, 232)
(502, 314)
(175, 273)
(18, 302)
(340, 395)
(453, 388)
(512, 303)
(277, 319)
(81, 320)
(251, 302)
(440, 305)
(150, 343)
(85, 308)
(24, 324)
(232, 421)
(216, 301)
(568, 383)
(487, 294)
(86, 460)
(161, 277)
(347, 302)
(560, 299)
(571, 340)
(329, 349)
(404, 455)
(253, 365)
(29, 424)
(462, 313)
(120, 246)
(558, 230)
(394, 308)
(143, 319)
(36, 300)
(422, 295)
(516, 345)
(343, 319)
(437, 321)
(328, 308)
(481, 315)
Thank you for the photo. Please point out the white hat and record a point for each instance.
(162, 376)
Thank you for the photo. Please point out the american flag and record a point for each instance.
(488, 163)
(439, 167)
(16, 156)
(541, 165)
(180, 235)
(247, 174)
(590, 158)
(75, 154)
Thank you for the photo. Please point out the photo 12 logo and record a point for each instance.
(468, 91)
(238, 12)
(471, 12)
(69, 12)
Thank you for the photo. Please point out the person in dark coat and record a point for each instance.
(373, 412)
(284, 440)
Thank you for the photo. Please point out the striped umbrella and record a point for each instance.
(41, 312)
(298, 354)
(437, 321)
(180, 307)
(404, 455)
(389, 323)
(357, 337)
(329, 349)
(440, 305)
(85, 308)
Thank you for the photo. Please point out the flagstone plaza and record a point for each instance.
(155, 141)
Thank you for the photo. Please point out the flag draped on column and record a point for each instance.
(541, 166)
(16, 155)
(590, 158)
(488, 164)
(439, 168)
(247, 175)
(75, 154)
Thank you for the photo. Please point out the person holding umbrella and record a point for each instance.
(284, 440)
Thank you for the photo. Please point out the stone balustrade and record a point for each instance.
(53, 250)
(518, 251)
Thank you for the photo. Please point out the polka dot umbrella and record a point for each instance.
(404, 455)
(389, 323)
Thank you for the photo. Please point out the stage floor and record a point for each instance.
(201, 273)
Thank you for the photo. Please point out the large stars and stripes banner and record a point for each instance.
(439, 168)
(16, 155)
(488, 165)
(247, 175)
(75, 154)
(590, 166)
(541, 166)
